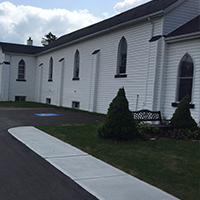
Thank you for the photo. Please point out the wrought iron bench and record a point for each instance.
(147, 115)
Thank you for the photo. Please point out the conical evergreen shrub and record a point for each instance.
(119, 123)
(182, 118)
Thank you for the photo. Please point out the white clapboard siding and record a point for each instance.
(137, 39)
(5, 78)
(180, 15)
(48, 89)
(106, 84)
(2, 56)
(175, 52)
(22, 88)
(158, 75)
(150, 76)
(94, 80)
(157, 26)
(148, 84)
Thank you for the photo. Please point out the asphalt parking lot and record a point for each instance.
(25, 175)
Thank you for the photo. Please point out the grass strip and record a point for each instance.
(27, 104)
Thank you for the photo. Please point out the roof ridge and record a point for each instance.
(139, 12)
(143, 10)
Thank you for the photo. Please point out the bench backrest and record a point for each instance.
(147, 115)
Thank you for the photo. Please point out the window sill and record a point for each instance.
(76, 79)
(50, 80)
(174, 104)
(22, 80)
(121, 76)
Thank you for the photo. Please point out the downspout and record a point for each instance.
(147, 74)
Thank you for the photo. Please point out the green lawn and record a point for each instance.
(171, 165)
(28, 104)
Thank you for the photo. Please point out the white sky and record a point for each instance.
(21, 19)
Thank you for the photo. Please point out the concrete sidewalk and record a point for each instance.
(97, 177)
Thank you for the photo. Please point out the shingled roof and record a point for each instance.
(19, 48)
(125, 17)
(146, 9)
(192, 26)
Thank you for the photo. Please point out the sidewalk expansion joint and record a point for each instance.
(99, 177)
(69, 156)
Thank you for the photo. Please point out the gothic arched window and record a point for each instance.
(21, 70)
(76, 65)
(122, 57)
(185, 78)
(50, 69)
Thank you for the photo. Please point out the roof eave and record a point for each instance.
(17, 54)
(179, 38)
(146, 17)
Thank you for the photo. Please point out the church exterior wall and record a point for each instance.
(174, 53)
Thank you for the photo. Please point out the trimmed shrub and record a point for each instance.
(119, 123)
(182, 118)
(185, 134)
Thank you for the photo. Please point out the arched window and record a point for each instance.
(122, 57)
(21, 70)
(50, 69)
(185, 78)
(76, 65)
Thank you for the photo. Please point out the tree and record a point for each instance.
(119, 123)
(182, 118)
(48, 38)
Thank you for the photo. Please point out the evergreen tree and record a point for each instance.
(48, 38)
(119, 123)
(182, 118)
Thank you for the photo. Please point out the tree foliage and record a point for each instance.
(119, 123)
(48, 38)
(182, 118)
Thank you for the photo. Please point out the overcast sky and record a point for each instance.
(21, 19)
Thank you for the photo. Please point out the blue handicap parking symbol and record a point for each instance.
(46, 114)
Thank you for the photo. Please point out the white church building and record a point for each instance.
(153, 51)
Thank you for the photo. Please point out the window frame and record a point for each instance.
(76, 73)
(122, 58)
(75, 104)
(184, 77)
(20, 98)
(50, 79)
(21, 70)
(48, 100)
